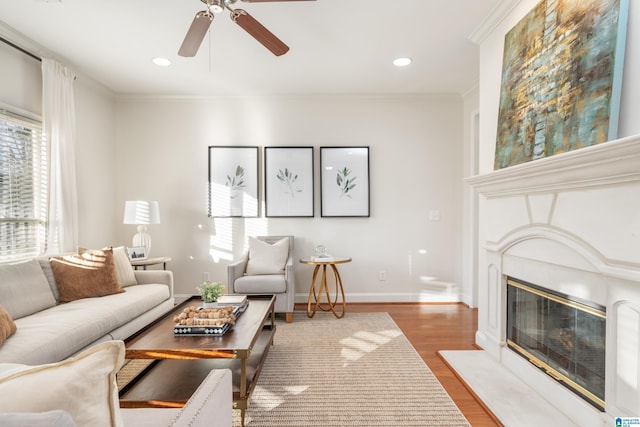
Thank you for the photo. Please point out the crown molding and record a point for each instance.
(10, 34)
(495, 17)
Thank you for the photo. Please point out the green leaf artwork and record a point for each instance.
(236, 182)
(288, 178)
(345, 181)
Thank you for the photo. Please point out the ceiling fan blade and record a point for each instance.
(259, 32)
(196, 33)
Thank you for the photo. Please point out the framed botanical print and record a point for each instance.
(344, 181)
(233, 181)
(288, 181)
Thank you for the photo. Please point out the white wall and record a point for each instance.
(20, 80)
(471, 117)
(157, 149)
(630, 101)
(415, 153)
(95, 164)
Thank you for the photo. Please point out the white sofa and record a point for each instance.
(81, 391)
(210, 406)
(49, 331)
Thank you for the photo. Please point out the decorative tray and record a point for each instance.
(198, 321)
(201, 330)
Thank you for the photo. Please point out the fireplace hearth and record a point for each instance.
(562, 335)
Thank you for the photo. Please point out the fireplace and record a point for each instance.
(570, 224)
(561, 335)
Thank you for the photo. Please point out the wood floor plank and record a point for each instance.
(431, 328)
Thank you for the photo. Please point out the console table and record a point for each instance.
(144, 263)
(315, 299)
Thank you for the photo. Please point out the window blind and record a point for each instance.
(23, 187)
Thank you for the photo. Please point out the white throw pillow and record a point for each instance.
(37, 419)
(265, 258)
(84, 386)
(15, 280)
(124, 270)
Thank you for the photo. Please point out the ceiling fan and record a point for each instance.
(203, 19)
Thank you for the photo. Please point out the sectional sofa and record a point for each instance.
(63, 321)
(63, 305)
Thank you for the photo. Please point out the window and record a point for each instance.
(23, 187)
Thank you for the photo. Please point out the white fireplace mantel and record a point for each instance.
(610, 163)
(568, 222)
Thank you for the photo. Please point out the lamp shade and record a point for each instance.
(141, 212)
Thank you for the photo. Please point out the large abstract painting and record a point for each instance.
(561, 79)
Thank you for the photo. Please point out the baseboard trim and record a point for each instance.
(301, 298)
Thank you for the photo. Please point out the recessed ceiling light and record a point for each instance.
(163, 62)
(402, 62)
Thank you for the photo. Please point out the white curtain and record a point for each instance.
(58, 110)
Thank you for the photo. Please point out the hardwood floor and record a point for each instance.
(434, 327)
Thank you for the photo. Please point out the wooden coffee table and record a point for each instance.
(182, 362)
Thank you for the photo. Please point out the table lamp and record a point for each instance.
(142, 213)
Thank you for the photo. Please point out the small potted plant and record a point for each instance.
(210, 292)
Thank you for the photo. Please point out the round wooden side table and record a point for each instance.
(315, 299)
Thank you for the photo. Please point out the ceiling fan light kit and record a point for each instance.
(203, 19)
(216, 6)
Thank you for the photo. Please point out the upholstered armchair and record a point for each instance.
(267, 268)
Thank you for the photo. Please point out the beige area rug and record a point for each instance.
(356, 371)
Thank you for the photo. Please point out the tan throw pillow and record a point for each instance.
(7, 325)
(84, 386)
(265, 258)
(85, 275)
(124, 270)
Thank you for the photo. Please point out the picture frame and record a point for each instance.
(344, 181)
(137, 253)
(233, 182)
(289, 181)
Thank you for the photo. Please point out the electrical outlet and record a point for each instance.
(206, 276)
(382, 275)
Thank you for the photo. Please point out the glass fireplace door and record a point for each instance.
(560, 335)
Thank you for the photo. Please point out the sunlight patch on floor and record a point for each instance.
(270, 401)
(362, 342)
(294, 390)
